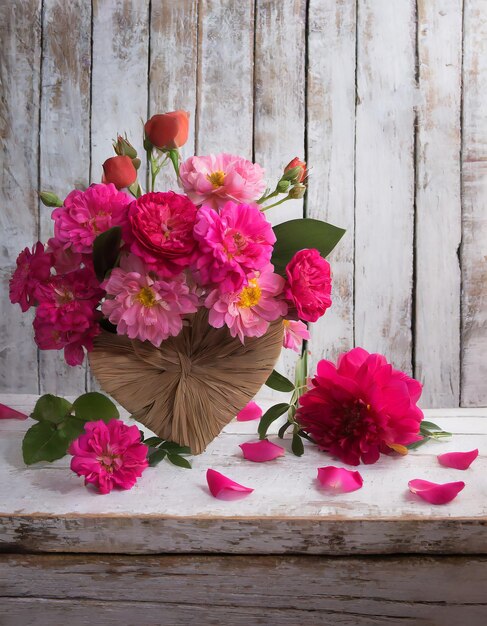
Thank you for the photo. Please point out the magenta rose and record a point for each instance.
(309, 284)
(161, 232)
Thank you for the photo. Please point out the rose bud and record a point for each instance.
(297, 192)
(296, 171)
(167, 131)
(124, 147)
(120, 171)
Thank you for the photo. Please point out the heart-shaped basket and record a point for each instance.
(190, 387)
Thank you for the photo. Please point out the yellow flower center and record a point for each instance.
(285, 323)
(146, 297)
(217, 178)
(250, 295)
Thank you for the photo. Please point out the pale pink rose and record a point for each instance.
(109, 455)
(215, 179)
(248, 312)
(232, 243)
(144, 306)
(294, 333)
(309, 284)
(86, 214)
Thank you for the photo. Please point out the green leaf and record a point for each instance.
(270, 416)
(297, 445)
(303, 233)
(430, 426)
(51, 408)
(175, 459)
(48, 198)
(95, 406)
(279, 382)
(108, 326)
(71, 429)
(43, 442)
(282, 430)
(156, 457)
(153, 441)
(175, 448)
(106, 249)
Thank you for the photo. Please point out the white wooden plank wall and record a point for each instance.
(386, 100)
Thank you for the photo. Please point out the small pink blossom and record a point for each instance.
(232, 243)
(261, 451)
(251, 411)
(109, 455)
(435, 493)
(224, 488)
(248, 312)
(144, 306)
(294, 333)
(86, 214)
(309, 284)
(33, 271)
(73, 342)
(339, 479)
(458, 460)
(215, 179)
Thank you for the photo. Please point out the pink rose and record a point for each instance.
(162, 231)
(32, 273)
(309, 284)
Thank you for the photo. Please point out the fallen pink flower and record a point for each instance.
(224, 488)
(435, 493)
(7, 413)
(261, 451)
(458, 460)
(251, 411)
(339, 479)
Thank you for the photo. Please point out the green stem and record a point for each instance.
(268, 197)
(266, 208)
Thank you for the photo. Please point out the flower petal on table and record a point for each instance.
(339, 479)
(261, 451)
(435, 493)
(224, 488)
(458, 460)
(7, 413)
(251, 411)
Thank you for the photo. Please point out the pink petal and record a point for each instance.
(339, 479)
(7, 413)
(435, 493)
(458, 460)
(224, 488)
(260, 451)
(251, 411)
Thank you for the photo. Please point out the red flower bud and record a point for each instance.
(168, 130)
(120, 171)
(301, 172)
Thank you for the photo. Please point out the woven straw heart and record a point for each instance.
(190, 387)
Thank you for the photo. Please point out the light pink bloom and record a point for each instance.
(248, 312)
(261, 451)
(7, 413)
(309, 284)
(339, 479)
(224, 488)
(86, 214)
(435, 493)
(109, 455)
(232, 243)
(294, 333)
(144, 306)
(33, 271)
(458, 460)
(251, 411)
(215, 179)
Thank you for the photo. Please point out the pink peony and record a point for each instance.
(213, 180)
(144, 306)
(109, 455)
(294, 333)
(86, 214)
(247, 312)
(309, 284)
(162, 231)
(33, 271)
(232, 243)
(361, 408)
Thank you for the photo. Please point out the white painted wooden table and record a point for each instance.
(167, 552)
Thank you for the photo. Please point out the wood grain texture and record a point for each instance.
(438, 202)
(474, 217)
(20, 54)
(266, 589)
(386, 98)
(173, 68)
(331, 159)
(64, 141)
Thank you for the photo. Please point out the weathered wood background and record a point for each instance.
(385, 99)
